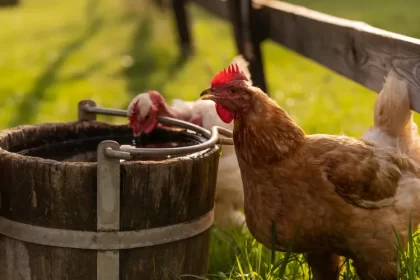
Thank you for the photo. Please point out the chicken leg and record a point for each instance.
(376, 270)
(324, 265)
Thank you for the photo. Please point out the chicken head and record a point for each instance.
(142, 111)
(230, 89)
(145, 107)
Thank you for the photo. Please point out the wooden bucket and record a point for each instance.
(64, 219)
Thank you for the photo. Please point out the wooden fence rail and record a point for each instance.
(354, 49)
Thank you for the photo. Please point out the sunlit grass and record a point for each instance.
(236, 255)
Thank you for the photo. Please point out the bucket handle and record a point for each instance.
(88, 111)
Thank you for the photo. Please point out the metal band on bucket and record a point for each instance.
(116, 240)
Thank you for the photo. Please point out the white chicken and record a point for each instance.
(229, 199)
(393, 119)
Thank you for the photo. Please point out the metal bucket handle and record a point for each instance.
(88, 111)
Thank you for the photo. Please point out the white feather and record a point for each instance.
(394, 127)
(144, 104)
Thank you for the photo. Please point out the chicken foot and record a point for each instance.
(376, 270)
(324, 265)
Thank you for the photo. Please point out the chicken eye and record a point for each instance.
(232, 90)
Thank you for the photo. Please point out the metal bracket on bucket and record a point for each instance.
(108, 183)
(108, 208)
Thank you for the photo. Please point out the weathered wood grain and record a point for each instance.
(354, 49)
(45, 193)
(177, 192)
(62, 195)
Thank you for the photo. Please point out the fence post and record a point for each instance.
(249, 32)
(183, 26)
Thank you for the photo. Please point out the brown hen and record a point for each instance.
(345, 195)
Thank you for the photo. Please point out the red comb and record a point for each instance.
(226, 76)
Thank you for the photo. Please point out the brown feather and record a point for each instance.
(345, 194)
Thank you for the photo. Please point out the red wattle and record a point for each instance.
(224, 114)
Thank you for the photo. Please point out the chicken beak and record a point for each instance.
(207, 95)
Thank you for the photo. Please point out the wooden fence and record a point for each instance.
(354, 49)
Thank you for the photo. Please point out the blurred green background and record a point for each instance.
(55, 53)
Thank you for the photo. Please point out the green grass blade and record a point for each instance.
(240, 268)
(411, 266)
(282, 269)
(259, 258)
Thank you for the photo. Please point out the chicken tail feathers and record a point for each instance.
(393, 118)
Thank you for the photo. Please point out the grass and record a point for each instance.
(247, 259)
(55, 53)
